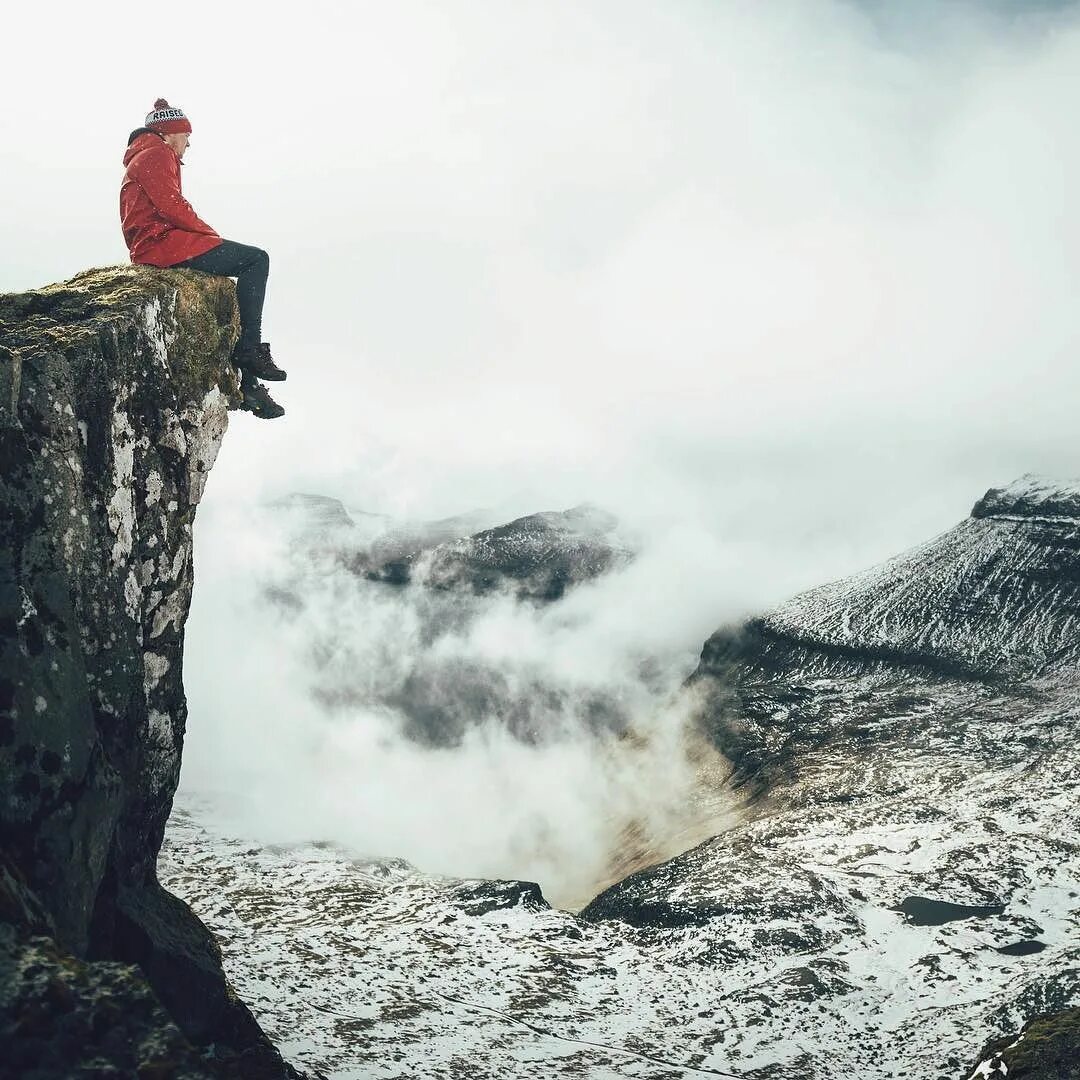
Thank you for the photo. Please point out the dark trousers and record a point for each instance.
(251, 267)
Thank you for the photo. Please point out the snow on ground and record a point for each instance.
(907, 888)
(801, 965)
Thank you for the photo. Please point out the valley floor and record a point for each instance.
(911, 891)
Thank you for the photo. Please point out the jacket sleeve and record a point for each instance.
(160, 179)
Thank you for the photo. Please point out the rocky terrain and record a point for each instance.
(899, 887)
(114, 391)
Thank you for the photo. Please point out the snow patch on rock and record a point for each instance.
(206, 424)
(155, 669)
(155, 331)
(121, 508)
(154, 488)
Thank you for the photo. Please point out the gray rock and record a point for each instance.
(114, 391)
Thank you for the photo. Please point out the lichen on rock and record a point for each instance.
(114, 395)
(1048, 1048)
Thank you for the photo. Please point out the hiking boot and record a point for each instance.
(257, 399)
(257, 360)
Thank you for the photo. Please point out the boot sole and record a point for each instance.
(261, 414)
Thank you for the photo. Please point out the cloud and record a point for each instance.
(472, 735)
(785, 286)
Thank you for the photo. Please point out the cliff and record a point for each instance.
(114, 391)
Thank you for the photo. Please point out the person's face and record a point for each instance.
(179, 142)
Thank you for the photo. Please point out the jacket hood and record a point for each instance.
(147, 141)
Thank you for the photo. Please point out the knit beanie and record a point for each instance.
(167, 120)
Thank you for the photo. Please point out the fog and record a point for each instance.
(785, 286)
(477, 736)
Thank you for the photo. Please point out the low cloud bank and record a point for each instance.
(472, 735)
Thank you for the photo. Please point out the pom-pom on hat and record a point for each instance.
(166, 119)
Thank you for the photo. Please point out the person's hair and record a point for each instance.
(143, 131)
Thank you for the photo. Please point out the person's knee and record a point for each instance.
(253, 260)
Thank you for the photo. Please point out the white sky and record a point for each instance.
(796, 281)
(529, 253)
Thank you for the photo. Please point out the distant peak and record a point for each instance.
(1031, 496)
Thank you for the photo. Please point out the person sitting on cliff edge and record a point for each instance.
(161, 229)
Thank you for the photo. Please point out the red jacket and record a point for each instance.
(160, 227)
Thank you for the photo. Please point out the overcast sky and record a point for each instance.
(528, 253)
(790, 283)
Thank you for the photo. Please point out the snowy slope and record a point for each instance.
(902, 882)
(999, 595)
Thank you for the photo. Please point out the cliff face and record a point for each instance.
(114, 391)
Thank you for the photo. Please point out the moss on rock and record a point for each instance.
(1048, 1048)
(198, 313)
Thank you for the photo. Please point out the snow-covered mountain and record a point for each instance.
(997, 597)
(900, 883)
(537, 557)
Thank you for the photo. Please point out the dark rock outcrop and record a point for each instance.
(1030, 497)
(114, 390)
(1048, 1048)
(59, 1014)
(538, 557)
